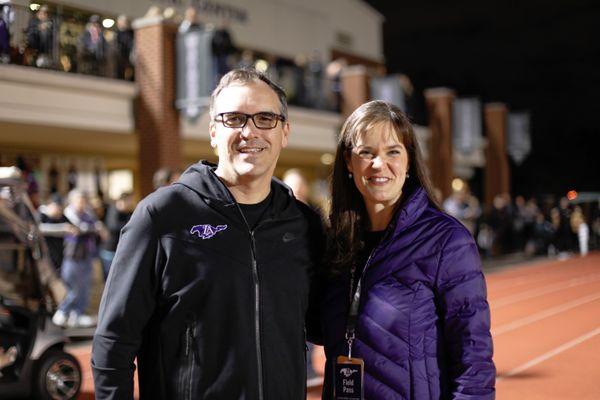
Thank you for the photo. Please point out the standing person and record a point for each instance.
(7, 16)
(124, 44)
(92, 48)
(40, 37)
(76, 269)
(55, 226)
(209, 286)
(117, 216)
(406, 293)
(581, 229)
(222, 48)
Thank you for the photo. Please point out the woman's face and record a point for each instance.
(379, 163)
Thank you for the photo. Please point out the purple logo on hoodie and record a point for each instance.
(207, 231)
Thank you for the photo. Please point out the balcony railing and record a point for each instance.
(60, 38)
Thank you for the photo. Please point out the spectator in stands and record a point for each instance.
(54, 226)
(581, 229)
(6, 18)
(566, 236)
(334, 78)
(165, 176)
(463, 206)
(541, 236)
(500, 221)
(125, 46)
(76, 270)
(117, 216)
(40, 38)
(190, 21)
(92, 48)
(298, 183)
(313, 79)
(222, 48)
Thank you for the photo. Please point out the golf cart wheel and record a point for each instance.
(58, 376)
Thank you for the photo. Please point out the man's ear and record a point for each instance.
(213, 133)
(286, 134)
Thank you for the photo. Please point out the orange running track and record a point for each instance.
(546, 328)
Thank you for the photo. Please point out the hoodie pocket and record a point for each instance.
(188, 374)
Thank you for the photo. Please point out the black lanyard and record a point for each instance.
(355, 299)
(354, 304)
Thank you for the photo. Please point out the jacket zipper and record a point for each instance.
(256, 301)
(257, 316)
(256, 280)
(189, 356)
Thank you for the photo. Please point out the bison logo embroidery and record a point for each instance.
(207, 231)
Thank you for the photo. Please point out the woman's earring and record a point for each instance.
(350, 175)
(407, 175)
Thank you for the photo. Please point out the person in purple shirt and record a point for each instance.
(404, 291)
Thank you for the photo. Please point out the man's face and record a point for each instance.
(248, 152)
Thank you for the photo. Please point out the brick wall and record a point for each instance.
(157, 121)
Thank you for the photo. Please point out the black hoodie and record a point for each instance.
(211, 309)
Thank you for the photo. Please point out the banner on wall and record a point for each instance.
(466, 125)
(518, 141)
(195, 76)
(390, 89)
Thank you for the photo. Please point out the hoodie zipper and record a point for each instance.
(257, 316)
(190, 355)
(256, 281)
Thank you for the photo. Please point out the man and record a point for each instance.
(209, 285)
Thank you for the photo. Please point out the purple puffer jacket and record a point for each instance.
(424, 322)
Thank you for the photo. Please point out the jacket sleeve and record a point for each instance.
(317, 240)
(127, 303)
(465, 316)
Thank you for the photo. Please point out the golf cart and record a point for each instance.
(33, 362)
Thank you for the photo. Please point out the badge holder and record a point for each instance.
(348, 376)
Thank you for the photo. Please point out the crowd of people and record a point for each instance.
(525, 226)
(67, 42)
(77, 233)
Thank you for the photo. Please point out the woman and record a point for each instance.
(422, 323)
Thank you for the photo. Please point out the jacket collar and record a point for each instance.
(406, 216)
(409, 212)
(201, 178)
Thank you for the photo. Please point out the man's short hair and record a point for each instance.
(244, 76)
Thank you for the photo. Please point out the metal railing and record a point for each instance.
(65, 39)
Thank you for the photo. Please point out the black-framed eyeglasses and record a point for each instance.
(262, 120)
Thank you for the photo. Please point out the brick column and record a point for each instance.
(441, 167)
(355, 88)
(157, 120)
(497, 174)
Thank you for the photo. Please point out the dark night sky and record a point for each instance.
(533, 55)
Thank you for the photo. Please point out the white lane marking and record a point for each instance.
(543, 290)
(528, 276)
(549, 354)
(544, 314)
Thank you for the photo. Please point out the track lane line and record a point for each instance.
(540, 359)
(544, 314)
(555, 287)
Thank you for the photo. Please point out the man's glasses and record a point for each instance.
(262, 120)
